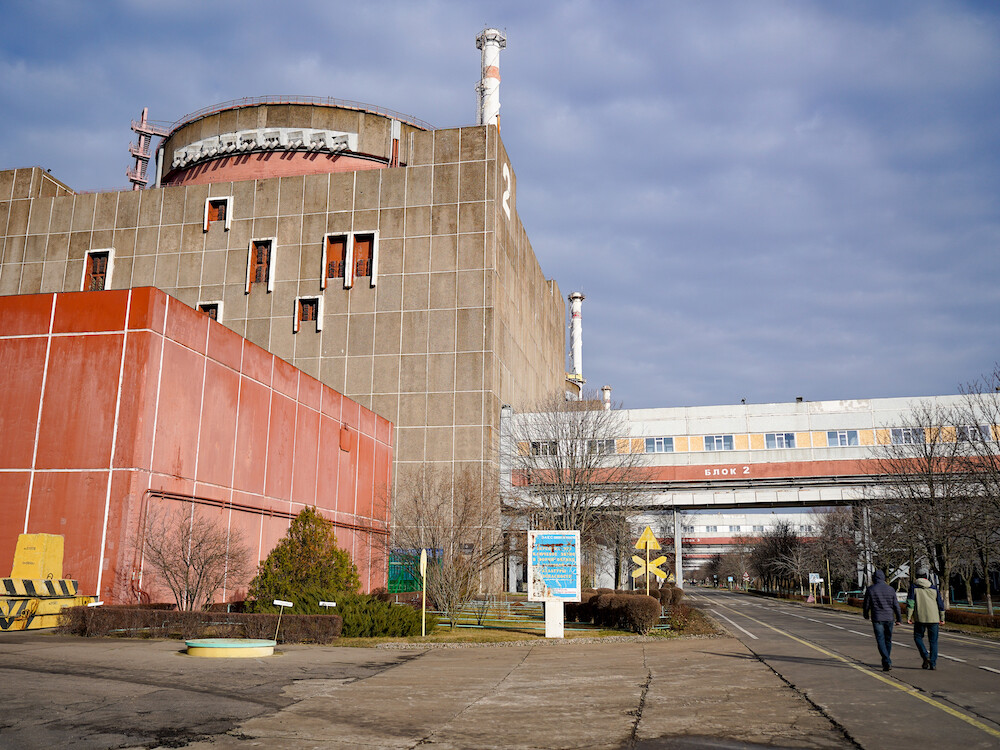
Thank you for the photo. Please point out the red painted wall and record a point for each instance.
(118, 402)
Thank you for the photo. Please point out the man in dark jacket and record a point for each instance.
(882, 608)
(926, 607)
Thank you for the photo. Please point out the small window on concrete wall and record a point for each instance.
(336, 248)
(211, 309)
(366, 255)
(308, 310)
(260, 264)
(218, 210)
(97, 270)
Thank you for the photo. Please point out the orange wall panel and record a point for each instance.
(13, 503)
(306, 455)
(280, 442)
(22, 362)
(25, 315)
(85, 312)
(78, 404)
(137, 411)
(181, 378)
(251, 436)
(72, 504)
(217, 438)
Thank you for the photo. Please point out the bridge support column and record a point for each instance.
(678, 556)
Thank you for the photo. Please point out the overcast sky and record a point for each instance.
(760, 200)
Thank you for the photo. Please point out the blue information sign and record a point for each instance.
(554, 566)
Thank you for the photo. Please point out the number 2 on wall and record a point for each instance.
(506, 191)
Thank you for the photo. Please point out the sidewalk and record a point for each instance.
(88, 694)
(661, 694)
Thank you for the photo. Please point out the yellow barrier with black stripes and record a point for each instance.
(30, 604)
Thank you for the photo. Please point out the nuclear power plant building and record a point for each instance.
(381, 256)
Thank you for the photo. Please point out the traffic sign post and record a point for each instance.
(648, 541)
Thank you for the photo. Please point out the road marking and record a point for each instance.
(863, 635)
(714, 612)
(988, 669)
(838, 627)
(792, 614)
(953, 658)
(890, 682)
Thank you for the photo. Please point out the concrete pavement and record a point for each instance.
(682, 693)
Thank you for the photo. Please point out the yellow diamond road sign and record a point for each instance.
(647, 540)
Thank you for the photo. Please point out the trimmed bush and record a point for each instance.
(961, 617)
(133, 622)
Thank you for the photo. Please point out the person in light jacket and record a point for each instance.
(925, 610)
(882, 608)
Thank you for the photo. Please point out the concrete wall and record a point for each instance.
(117, 401)
(460, 321)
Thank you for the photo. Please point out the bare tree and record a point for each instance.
(836, 545)
(980, 432)
(574, 466)
(192, 553)
(456, 518)
(923, 491)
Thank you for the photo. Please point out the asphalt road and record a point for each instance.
(830, 657)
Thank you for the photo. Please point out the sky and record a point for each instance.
(760, 201)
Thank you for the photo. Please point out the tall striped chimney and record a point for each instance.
(576, 332)
(490, 41)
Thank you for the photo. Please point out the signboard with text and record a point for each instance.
(554, 566)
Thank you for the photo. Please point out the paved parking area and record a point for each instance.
(59, 691)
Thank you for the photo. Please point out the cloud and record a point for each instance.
(760, 200)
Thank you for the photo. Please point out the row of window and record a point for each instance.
(347, 257)
(803, 528)
(772, 441)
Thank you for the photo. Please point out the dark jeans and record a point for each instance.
(932, 637)
(883, 637)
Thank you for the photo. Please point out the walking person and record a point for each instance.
(882, 607)
(925, 610)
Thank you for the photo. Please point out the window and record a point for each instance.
(710, 529)
(972, 433)
(603, 447)
(211, 309)
(364, 249)
(780, 440)
(544, 448)
(97, 271)
(841, 438)
(660, 445)
(334, 257)
(218, 209)
(907, 436)
(718, 442)
(308, 309)
(734, 529)
(807, 529)
(758, 528)
(260, 263)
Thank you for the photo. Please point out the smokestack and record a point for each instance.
(606, 392)
(576, 333)
(490, 41)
